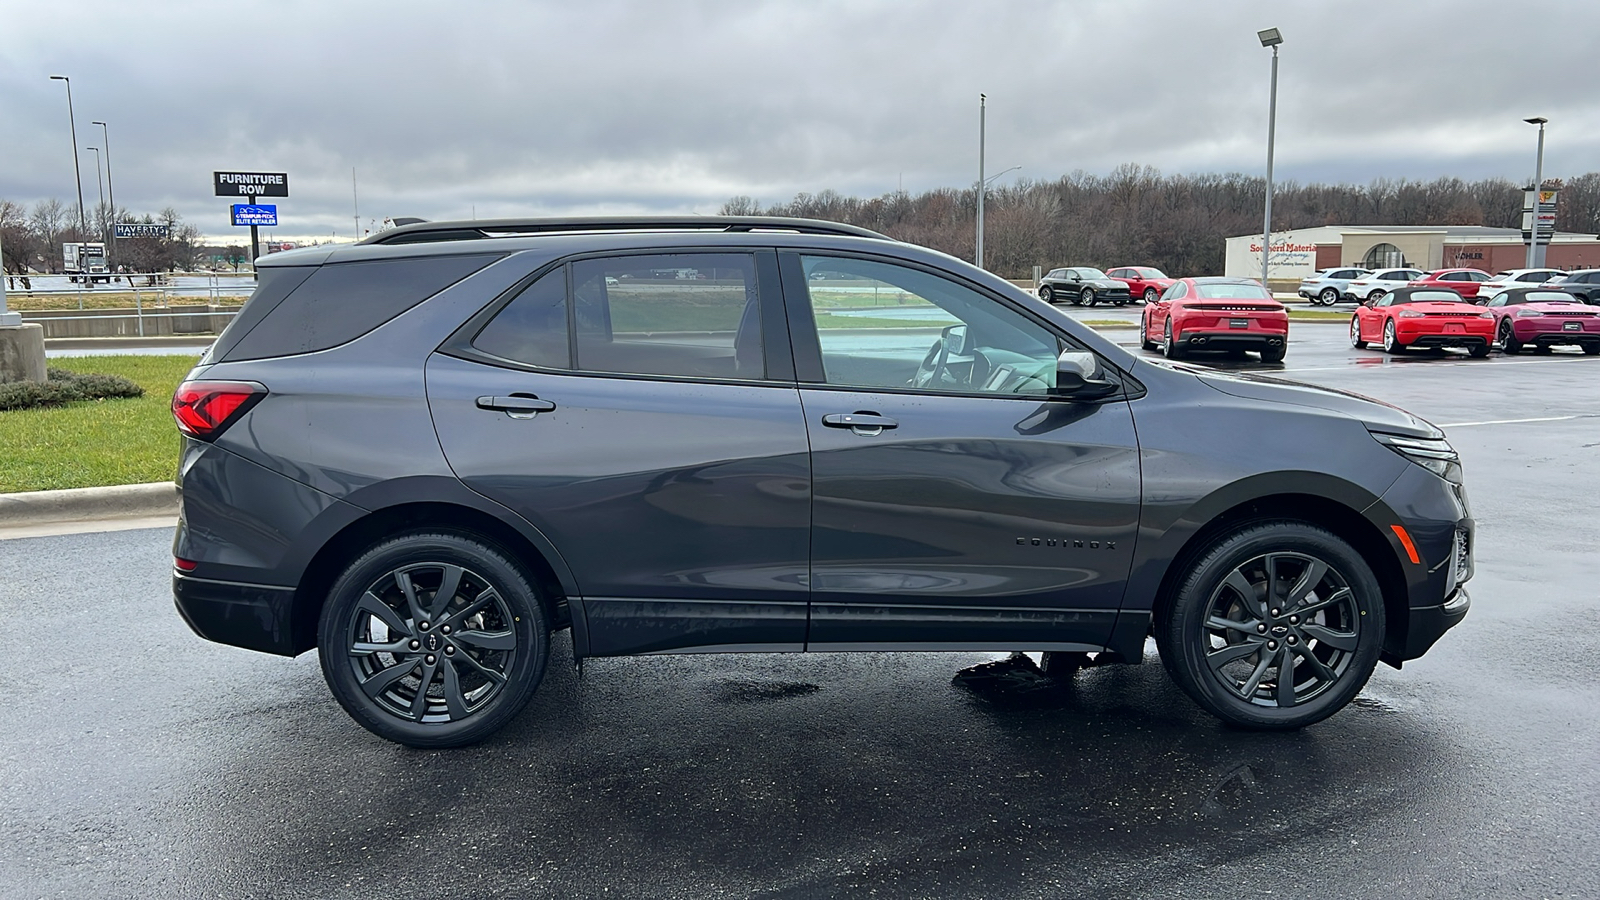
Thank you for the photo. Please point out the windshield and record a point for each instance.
(1233, 292)
(1150, 273)
(1089, 273)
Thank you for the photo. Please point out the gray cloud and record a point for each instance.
(545, 108)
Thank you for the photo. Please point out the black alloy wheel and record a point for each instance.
(1391, 341)
(1046, 294)
(1275, 626)
(1329, 296)
(1087, 296)
(1150, 295)
(1508, 340)
(433, 640)
(1355, 333)
(1169, 348)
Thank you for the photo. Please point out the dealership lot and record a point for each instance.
(139, 759)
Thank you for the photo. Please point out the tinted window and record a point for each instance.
(342, 301)
(1533, 276)
(532, 328)
(273, 283)
(1453, 276)
(905, 329)
(1433, 297)
(688, 314)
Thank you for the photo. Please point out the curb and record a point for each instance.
(86, 504)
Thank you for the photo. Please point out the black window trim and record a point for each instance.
(808, 350)
(779, 362)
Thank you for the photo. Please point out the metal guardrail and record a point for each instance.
(162, 289)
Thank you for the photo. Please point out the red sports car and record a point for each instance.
(1463, 281)
(1216, 314)
(1422, 317)
(1144, 283)
(1544, 318)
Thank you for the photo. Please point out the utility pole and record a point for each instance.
(1533, 259)
(983, 108)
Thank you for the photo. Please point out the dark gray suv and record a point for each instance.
(425, 454)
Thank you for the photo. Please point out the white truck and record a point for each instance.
(85, 262)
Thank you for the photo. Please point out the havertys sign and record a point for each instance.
(251, 184)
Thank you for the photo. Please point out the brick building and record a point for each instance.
(1300, 252)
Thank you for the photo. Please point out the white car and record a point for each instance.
(1516, 278)
(1326, 286)
(1379, 282)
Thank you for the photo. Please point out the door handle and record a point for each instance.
(862, 422)
(517, 406)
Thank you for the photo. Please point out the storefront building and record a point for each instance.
(1302, 251)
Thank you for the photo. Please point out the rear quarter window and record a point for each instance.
(340, 302)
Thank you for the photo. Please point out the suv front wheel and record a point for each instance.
(1274, 626)
(433, 640)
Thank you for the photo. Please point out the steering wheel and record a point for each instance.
(934, 367)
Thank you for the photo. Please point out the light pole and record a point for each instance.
(1538, 185)
(983, 108)
(83, 222)
(100, 217)
(1271, 37)
(111, 188)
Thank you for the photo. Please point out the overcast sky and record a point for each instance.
(447, 110)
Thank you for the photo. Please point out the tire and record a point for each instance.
(1169, 349)
(1508, 341)
(1479, 351)
(1355, 333)
(1375, 296)
(1144, 334)
(1591, 349)
(474, 685)
(1150, 295)
(1391, 342)
(1541, 349)
(1086, 296)
(1046, 294)
(1329, 296)
(1274, 354)
(1329, 653)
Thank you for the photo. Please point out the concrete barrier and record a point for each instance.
(199, 318)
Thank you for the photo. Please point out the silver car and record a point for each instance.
(1326, 286)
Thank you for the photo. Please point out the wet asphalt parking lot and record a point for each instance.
(139, 760)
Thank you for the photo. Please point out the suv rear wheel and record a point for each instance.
(1274, 626)
(433, 640)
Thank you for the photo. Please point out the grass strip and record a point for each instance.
(94, 443)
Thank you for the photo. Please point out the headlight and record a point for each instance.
(1434, 454)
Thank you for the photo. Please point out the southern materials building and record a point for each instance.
(1302, 251)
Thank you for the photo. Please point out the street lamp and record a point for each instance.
(83, 222)
(100, 216)
(983, 108)
(111, 188)
(1538, 185)
(1271, 37)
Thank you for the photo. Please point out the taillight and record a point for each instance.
(204, 408)
(184, 565)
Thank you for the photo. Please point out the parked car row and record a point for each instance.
(1329, 286)
(1422, 317)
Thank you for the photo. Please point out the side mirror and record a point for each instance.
(955, 340)
(1075, 371)
(1076, 277)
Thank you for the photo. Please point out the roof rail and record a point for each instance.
(477, 229)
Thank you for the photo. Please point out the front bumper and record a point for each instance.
(253, 616)
(1429, 623)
